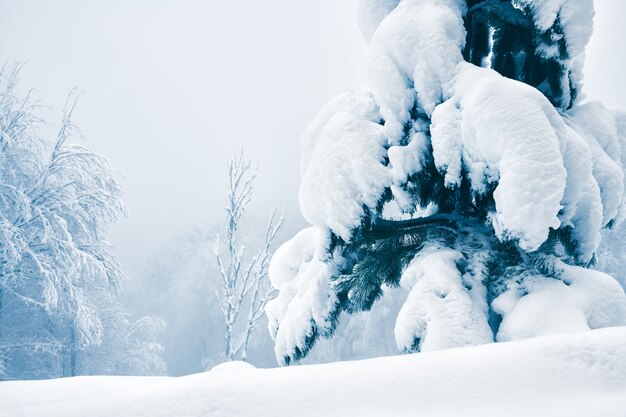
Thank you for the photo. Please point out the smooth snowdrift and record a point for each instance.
(581, 374)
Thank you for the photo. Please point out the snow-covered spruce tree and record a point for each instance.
(58, 280)
(245, 288)
(465, 171)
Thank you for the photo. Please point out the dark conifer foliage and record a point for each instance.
(503, 36)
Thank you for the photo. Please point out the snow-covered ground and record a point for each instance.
(582, 374)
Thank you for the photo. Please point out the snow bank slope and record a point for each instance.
(580, 374)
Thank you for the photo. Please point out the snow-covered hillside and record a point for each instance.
(581, 374)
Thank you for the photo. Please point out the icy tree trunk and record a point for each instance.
(260, 296)
(230, 283)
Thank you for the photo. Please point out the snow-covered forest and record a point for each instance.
(454, 215)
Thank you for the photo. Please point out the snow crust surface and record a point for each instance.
(578, 375)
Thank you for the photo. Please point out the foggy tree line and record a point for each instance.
(61, 302)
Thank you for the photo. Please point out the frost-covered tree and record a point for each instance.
(611, 253)
(128, 347)
(245, 287)
(142, 350)
(58, 279)
(468, 172)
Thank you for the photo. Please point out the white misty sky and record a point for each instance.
(169, 89)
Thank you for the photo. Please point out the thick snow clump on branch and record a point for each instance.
(439, 311)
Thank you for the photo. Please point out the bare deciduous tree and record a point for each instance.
(245, 287)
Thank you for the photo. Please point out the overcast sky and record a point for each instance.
(169, 89)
